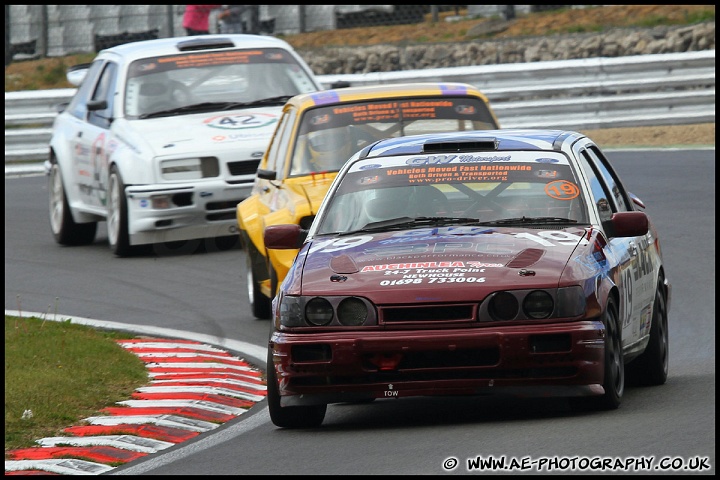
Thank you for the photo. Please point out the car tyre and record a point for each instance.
(614, 376)
(306, 416)
(65, 230)
(651, 367)
(260, 305)
(117, 216)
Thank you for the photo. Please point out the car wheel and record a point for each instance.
(117, 217)
(309, 416)
(229, 242)
(651, 367)
(614, 377)
(260, 305)
(64, 228)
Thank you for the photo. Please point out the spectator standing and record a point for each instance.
(231, 18)
(196, 19)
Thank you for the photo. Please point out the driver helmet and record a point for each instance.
(329, 149)
(389, 203)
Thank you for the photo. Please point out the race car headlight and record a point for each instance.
(503, 306)
(352, 312)
(332, 311)
(535, 304)
(318, 311)
(189, 168)
(538, 304)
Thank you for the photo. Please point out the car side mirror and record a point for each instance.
(266, 174)
(94, 105)
(284, 237)
(627, 224)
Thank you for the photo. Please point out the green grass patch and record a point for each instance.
(57, 373)
(699, 17)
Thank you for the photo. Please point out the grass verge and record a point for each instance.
(57, 373)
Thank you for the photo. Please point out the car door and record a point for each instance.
(636, 272)
(96, 137)
(89, 135)
(72, 128)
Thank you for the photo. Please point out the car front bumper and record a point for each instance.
(167, 213)
(550, 360)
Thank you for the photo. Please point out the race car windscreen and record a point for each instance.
(485, 186)
(329, 135)
(193, 78)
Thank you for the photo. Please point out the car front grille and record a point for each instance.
(427, 314)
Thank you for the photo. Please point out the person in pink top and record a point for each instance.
(196, 19)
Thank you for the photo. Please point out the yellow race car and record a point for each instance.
(316, 134)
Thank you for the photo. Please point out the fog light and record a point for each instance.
(160, 202)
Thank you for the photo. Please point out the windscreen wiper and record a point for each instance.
(197, 107)
(217, 106)
(410, 222)
(530, 220)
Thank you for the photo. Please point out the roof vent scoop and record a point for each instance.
(204, 44)
(489, 144)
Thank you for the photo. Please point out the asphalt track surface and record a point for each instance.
(195, 388)
(176, 402)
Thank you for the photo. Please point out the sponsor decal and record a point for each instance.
(241, 121)
(547, 173)
(562, 190)
(320, 119)
(369, 180)
(465, 109)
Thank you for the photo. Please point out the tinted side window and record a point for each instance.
(597, 187)
(610, 178)
(105, 90)
(77, 107)
(278, 150)
(275, 143)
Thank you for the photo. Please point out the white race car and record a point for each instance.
(163, 137)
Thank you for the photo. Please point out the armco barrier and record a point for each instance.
(642, 90)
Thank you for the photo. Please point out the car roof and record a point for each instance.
(376, 92)
(477, 140)
(183, 45)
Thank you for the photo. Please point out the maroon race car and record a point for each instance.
(472, 263)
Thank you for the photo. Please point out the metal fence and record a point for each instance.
(581, 94)
(34, 31)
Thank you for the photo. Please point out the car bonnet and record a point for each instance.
(445, 264)
(208, 132)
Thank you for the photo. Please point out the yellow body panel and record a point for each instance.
(295, 199)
